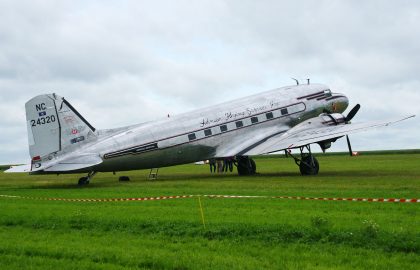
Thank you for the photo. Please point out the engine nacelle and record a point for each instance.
(333, 119)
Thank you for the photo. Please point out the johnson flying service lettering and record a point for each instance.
(234, 115)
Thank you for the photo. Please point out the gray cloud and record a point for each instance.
(126, 62)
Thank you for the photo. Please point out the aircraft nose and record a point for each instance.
(338, 103)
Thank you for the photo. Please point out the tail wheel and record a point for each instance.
(309, 165)
(83, 181)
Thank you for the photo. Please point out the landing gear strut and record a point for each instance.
(85, 180)
(308, 164)
(245, 165)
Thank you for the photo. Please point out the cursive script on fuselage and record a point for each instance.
(238, 114)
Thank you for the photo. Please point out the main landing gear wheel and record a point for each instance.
(245, 165)
(309, 165)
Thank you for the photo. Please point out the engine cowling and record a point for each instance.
(333, 118)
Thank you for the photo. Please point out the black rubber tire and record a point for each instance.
(253, 166)
(124, 178)
(83, 181)
(246, 166)
(307, 168)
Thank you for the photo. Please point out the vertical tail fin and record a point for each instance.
(54, 126)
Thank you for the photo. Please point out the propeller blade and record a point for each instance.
(352, 113)
(349, 145)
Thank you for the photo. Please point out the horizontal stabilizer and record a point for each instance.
(19, 169)
(75, 163)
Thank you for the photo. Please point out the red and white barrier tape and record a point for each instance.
(100, 200)
(402, 200)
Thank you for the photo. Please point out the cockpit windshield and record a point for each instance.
(328, 93)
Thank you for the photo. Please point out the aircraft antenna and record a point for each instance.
(297, 82)
(308, 81)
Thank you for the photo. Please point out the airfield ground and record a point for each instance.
(259, 233)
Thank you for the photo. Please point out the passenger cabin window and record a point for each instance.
(239, 124)
(284, 111)
(191, 136)
(207, 132)
(254, 120)
(269, 115)
(223, 128)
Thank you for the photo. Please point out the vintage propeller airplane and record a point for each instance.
(292, 117)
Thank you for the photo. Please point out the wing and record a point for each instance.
(301, 136)
(249, 140)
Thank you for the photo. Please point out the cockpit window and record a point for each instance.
(328, 92)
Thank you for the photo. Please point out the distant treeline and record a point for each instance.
(4, 167)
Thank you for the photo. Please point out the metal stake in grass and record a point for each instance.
(201, 210)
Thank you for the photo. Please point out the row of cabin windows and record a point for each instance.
(239, 124)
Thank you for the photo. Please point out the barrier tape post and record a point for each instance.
(202, 212)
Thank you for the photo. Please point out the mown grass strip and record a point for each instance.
(240, 233)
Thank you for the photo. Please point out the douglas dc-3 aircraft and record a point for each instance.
(292, 117)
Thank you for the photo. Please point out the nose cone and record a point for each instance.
(338, 103)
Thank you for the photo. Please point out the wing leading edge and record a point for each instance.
(299, 136)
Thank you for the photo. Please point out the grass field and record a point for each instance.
(258, 233)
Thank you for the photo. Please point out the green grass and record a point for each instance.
(243, 233)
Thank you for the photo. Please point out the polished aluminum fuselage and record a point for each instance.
(223, 130)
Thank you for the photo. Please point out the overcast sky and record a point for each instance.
(125, 62)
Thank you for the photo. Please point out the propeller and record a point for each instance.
(352, 113)
(350, 116)
(349, 145)
(347, 119)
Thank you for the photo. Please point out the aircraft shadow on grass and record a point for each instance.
(285, 175)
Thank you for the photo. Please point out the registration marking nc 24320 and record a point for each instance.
(43, 120)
